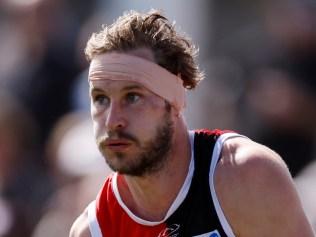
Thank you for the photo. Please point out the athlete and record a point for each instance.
(169, 181)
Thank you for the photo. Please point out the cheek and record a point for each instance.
(96, 130)
(145, 125)
(98, 127)
(97, 120)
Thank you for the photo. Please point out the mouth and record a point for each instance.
(117, 145)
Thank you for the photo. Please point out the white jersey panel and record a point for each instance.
(94, 227)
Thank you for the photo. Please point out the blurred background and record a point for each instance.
(259, 58)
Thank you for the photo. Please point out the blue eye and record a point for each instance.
(101, 100)
(132, 97)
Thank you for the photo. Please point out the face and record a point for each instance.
(133, 126)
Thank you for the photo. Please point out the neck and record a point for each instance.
(150, 197)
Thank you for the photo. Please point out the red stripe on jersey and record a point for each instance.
(114, 221)
(215, 132)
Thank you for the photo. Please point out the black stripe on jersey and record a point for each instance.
(197, 214)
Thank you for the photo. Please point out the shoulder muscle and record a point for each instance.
(257, 193)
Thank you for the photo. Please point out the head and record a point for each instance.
(171, 50)
(135, 121)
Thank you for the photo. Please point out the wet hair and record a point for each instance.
(152, 30)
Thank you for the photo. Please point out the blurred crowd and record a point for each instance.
(259, 58)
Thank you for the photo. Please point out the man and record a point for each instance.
(169, 181)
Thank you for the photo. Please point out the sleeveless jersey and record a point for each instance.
(196, 211)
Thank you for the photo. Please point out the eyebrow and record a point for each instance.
(95, 90)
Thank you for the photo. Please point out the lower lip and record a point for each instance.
(117, 148)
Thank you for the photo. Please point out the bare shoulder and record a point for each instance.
(244, 158)
(80, 227)
(257, 193)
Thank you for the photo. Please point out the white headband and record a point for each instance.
(125, 67)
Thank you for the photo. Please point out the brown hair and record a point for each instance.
(152, 30)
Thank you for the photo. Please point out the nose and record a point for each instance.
(115, 119)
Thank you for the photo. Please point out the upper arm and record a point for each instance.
(80, 227)
(257, 193)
